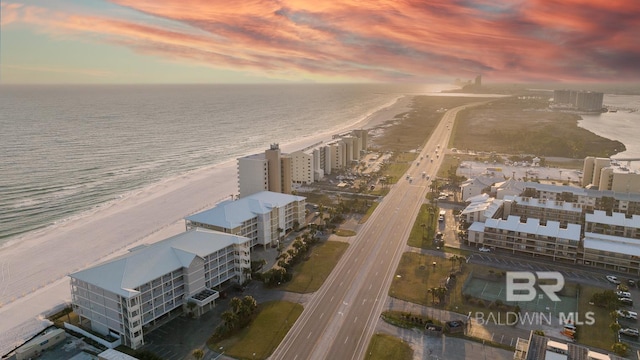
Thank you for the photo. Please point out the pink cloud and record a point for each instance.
(408, 40)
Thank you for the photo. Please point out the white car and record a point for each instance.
(484, 249)
(629, 332)
(627, 314)
(623, 294)
(613, 279)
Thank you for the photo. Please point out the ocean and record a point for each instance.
(69, 150)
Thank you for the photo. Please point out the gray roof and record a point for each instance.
(145, 263)
(532, 226)
(582, 192)
(616, 219)
(231, 214)
(611, 243)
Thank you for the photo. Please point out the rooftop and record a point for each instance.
(532, 226)
(616, 219)
(611, 243)
(145, 263)
(231, 214)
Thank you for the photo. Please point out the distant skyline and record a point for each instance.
(417, 41)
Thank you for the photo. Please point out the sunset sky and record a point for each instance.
(210, 41)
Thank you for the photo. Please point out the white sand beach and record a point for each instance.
(33, 270)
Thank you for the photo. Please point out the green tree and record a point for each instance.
(621, 349)
(197, 354)
(615, 327)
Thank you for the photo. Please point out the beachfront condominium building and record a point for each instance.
(277, 172)
(302, 167)
(608, 174)
(262, 217)
(269, 171)
(120, 297)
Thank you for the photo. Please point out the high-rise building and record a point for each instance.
(579, 100)
(268, 171)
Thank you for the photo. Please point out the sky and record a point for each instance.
(412, 41)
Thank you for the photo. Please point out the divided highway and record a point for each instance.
(341, 317)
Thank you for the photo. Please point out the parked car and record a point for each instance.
(629, 332)
(613, 279)
(623, 294)
(627, 314)
(631, 282)
(484, 249)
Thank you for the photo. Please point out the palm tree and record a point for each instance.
(615, 327)
(453, 260)
(441, 293)
(230, 319)
(197, 354)
(432, 291)
(236, 305)
(621, 349)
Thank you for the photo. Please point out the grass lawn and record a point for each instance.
(425, 216)
(597, 335)
(264, 334)
(416, 274)
(309, 275)
(345, 233)
(385, 347)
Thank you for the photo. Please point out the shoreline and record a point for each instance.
(147, 215)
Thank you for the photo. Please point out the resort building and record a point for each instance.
(543, 209)
(582, 226)
(612, 241)
(539, 347)
(262, 217)
(607, 174)
(477, 185)
(527, 236)
(120, 297)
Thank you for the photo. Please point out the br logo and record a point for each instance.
(521, 285)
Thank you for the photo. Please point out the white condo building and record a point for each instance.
(120, 296)
(302, 167)
(261, 217)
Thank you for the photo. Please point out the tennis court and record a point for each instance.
(492, 290)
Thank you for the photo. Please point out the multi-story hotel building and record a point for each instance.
(605, 174)
(121, 296)
(262, 217)
(529, 237)
(607, 224)
(269, 171)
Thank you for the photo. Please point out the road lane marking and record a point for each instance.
(308, 336)
(321, 315)
(345, 340)
(354, 320)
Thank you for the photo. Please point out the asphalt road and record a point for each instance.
(340, 319)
